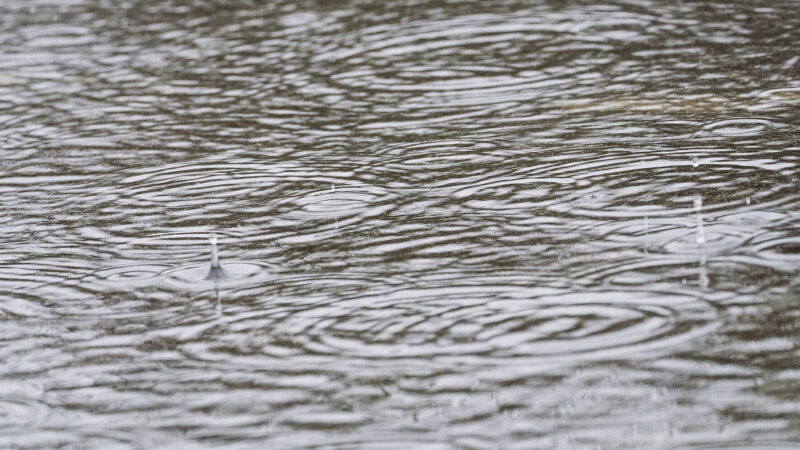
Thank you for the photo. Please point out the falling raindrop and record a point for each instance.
(218, 303)
(702, 274)
(747, 200)
(698, 207)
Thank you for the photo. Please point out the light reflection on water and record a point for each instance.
(463, 224)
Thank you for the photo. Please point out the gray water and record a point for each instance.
(446, 224)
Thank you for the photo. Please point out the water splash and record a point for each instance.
(215, 272)
(481, 167)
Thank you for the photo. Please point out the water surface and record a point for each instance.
(449, 224)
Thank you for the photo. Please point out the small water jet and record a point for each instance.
(215, 272)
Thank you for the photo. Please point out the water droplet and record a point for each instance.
(747, 200)
(698, 207)
(695, 162)
(215, 271)
(701, 238)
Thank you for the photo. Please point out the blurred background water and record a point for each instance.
(449, 224)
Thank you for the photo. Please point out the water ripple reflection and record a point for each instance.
(492, 322)
(443, 224)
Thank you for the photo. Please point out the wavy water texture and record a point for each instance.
(441, 224)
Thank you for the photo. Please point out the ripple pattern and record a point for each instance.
(579, 325)
(443, 224)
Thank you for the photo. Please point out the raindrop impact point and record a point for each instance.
(215, 271)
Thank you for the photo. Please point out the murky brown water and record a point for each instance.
(446, 224)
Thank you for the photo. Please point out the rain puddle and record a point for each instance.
(435, 225)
